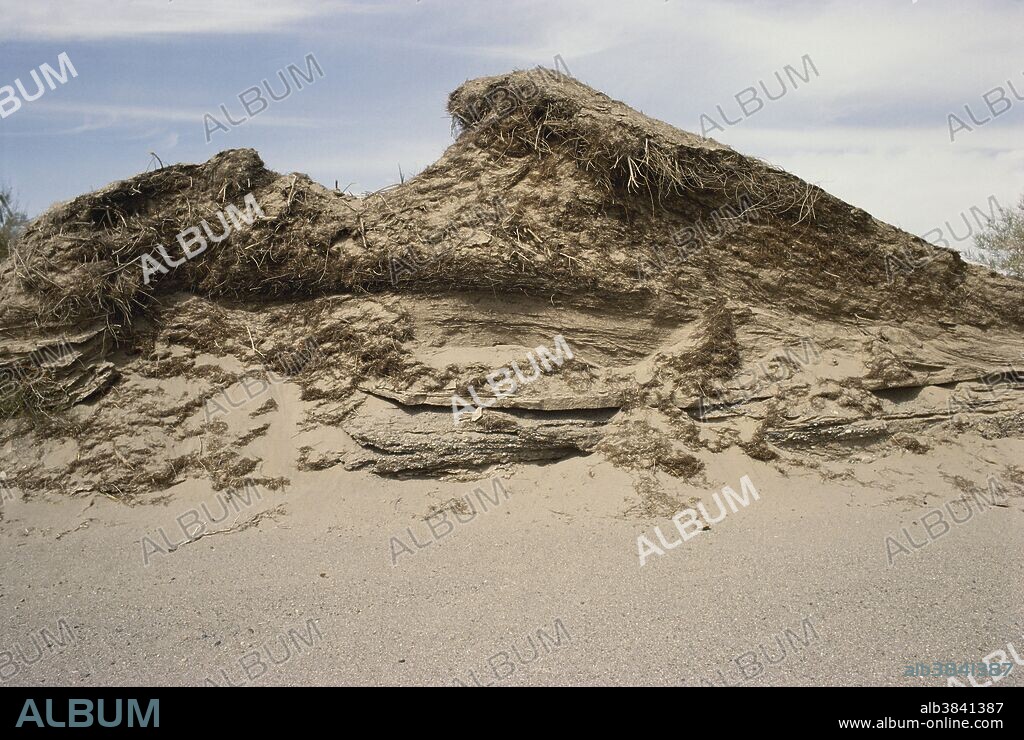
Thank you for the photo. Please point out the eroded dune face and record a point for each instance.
(571, 277)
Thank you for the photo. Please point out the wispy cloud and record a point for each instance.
(881, 48)
(102, 116)
(99, 19)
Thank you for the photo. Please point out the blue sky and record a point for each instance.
(871, 127)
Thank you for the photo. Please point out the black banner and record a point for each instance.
(140, 710)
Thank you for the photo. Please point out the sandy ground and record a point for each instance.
(550, 571)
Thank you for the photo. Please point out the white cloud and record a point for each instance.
(96, 19)
(891, 51)
(103, 116)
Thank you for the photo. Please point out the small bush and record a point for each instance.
(1002, 241)
(12, 221)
